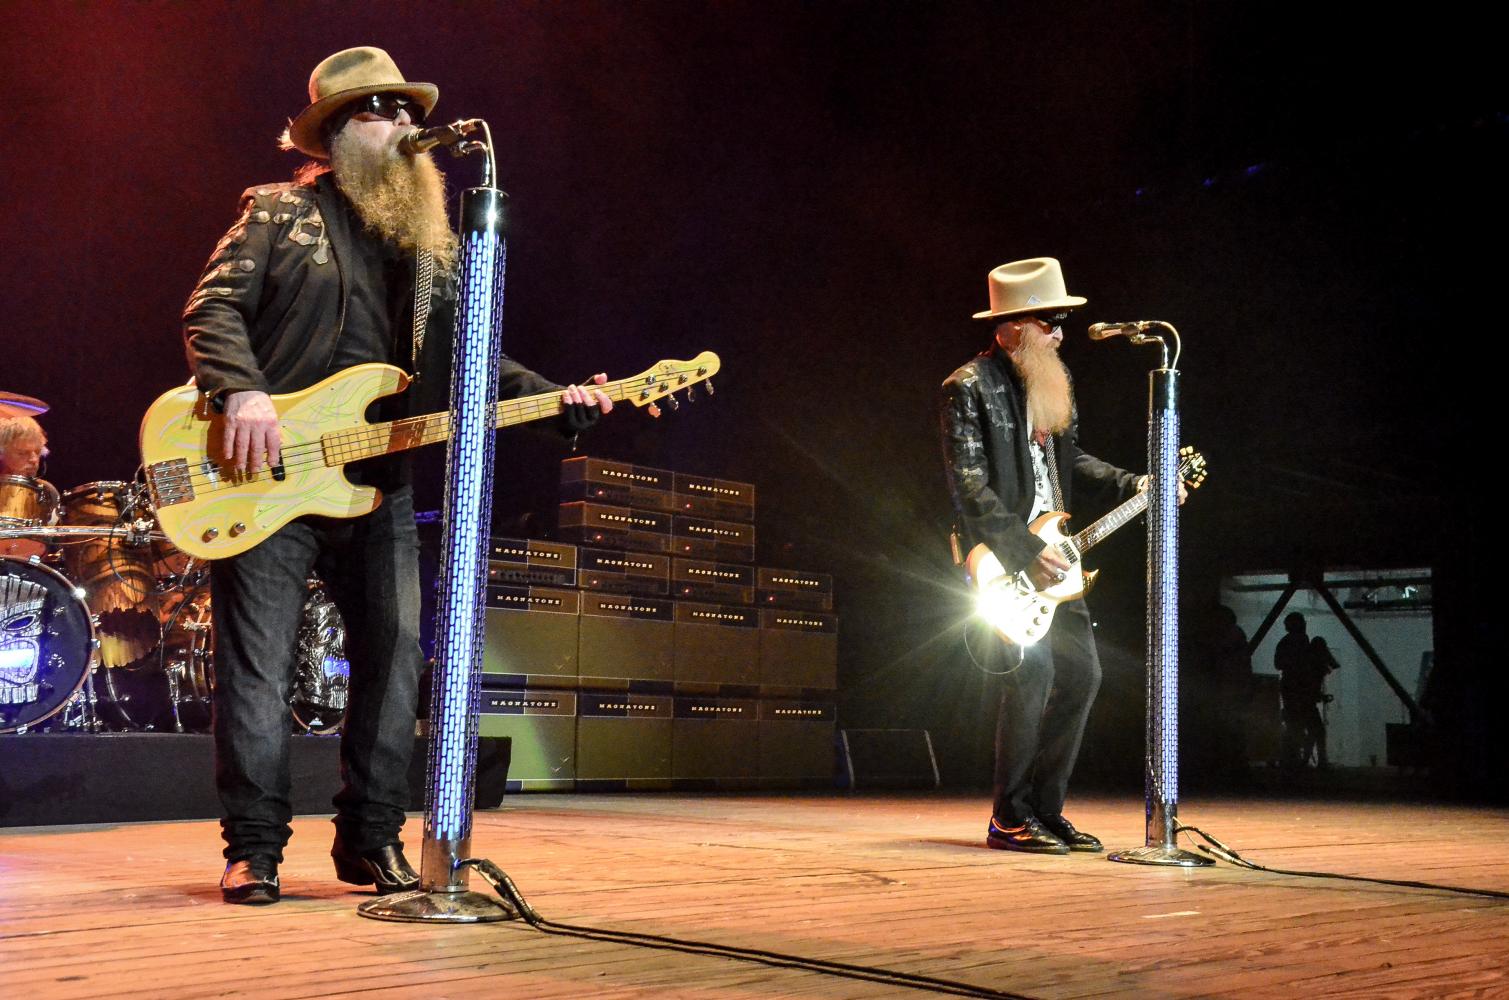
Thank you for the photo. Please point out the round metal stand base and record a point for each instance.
(419, 906)
(1167, 856)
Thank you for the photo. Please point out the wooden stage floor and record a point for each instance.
(899, 881)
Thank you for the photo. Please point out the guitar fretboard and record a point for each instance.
(393, 436)
(1099, 530)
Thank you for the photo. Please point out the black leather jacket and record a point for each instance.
(268, 308)
(988, 461)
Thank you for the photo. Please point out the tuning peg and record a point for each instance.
(675, 403)
(709, 387)
(691, 394)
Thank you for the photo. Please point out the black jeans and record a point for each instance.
(370, 566)
(1045, 704)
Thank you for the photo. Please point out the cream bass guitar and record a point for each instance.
(211, 512)
(1019, 612)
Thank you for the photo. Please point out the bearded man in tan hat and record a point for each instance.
(352, 262)
(1011, 453)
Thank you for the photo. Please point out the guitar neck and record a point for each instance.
(394, 436)
(1102, 529)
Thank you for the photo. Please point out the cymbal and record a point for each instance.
(14, 404)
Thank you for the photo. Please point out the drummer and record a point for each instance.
(23, 445)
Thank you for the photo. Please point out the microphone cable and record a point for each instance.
(514, 900)
(1219, 850)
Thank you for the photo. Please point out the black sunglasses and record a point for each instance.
(388, 105)
(1052, 321)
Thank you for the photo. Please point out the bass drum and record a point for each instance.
(323, 675)
(26, 503)
(46, 643)
(120, 586)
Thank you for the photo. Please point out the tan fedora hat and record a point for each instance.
(347, 76)
(1024, 287)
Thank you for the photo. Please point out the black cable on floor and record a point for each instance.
(515, 900)
(1220, 850)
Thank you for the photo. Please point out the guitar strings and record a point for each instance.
(347, 445)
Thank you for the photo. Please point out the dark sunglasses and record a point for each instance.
(1052, 321)
(388, 105)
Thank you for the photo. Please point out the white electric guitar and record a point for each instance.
(1019, 612)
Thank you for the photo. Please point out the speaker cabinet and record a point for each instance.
(796, 744)
(531, 636)
(798, 649)
(625, 638)
(717, 644)
(715, 743)
(541, 726)
(623, 741)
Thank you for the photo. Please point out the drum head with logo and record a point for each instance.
(46, 643)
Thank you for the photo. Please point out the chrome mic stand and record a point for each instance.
(1162, 754)
(443, 895)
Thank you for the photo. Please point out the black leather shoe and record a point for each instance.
(384, 867)
(252, 880)
(1064, 830)
(1030, 837)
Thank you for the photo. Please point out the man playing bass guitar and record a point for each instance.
(353, 262)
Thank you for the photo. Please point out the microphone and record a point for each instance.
(1101, 331)
(425, 139)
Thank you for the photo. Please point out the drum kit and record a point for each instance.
(106, 626)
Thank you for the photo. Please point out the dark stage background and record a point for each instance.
(817, 191)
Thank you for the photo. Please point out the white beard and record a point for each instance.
(1050, 392)
(399, 198)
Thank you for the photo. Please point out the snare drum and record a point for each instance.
(46, 643)
(26, 503)
(119, 583)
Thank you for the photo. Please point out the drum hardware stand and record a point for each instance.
(443, 895)
(1162, 754)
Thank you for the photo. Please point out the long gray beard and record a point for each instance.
(399, 198)
(1050, 393)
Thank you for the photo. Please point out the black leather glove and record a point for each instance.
(577, 417)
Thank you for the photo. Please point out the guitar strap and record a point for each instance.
(1051, 460)
(424, 285)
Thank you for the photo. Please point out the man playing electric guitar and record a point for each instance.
(353, 262)
(1011, 453)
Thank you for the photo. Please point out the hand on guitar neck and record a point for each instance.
(1050, 567)
(251, 422)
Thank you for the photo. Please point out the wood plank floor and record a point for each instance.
(900, 882)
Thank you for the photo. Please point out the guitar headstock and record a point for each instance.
(1192, 468)
(666, 378)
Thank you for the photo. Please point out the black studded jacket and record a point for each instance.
(988, 461)
(267, 311)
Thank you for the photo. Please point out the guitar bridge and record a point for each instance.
(169, 482)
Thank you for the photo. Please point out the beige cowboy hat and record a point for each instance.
(1026, 287)
(347, 76)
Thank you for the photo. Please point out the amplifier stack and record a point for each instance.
(646, 650)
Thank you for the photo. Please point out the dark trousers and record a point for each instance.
(370, 566)
(1045, 704)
